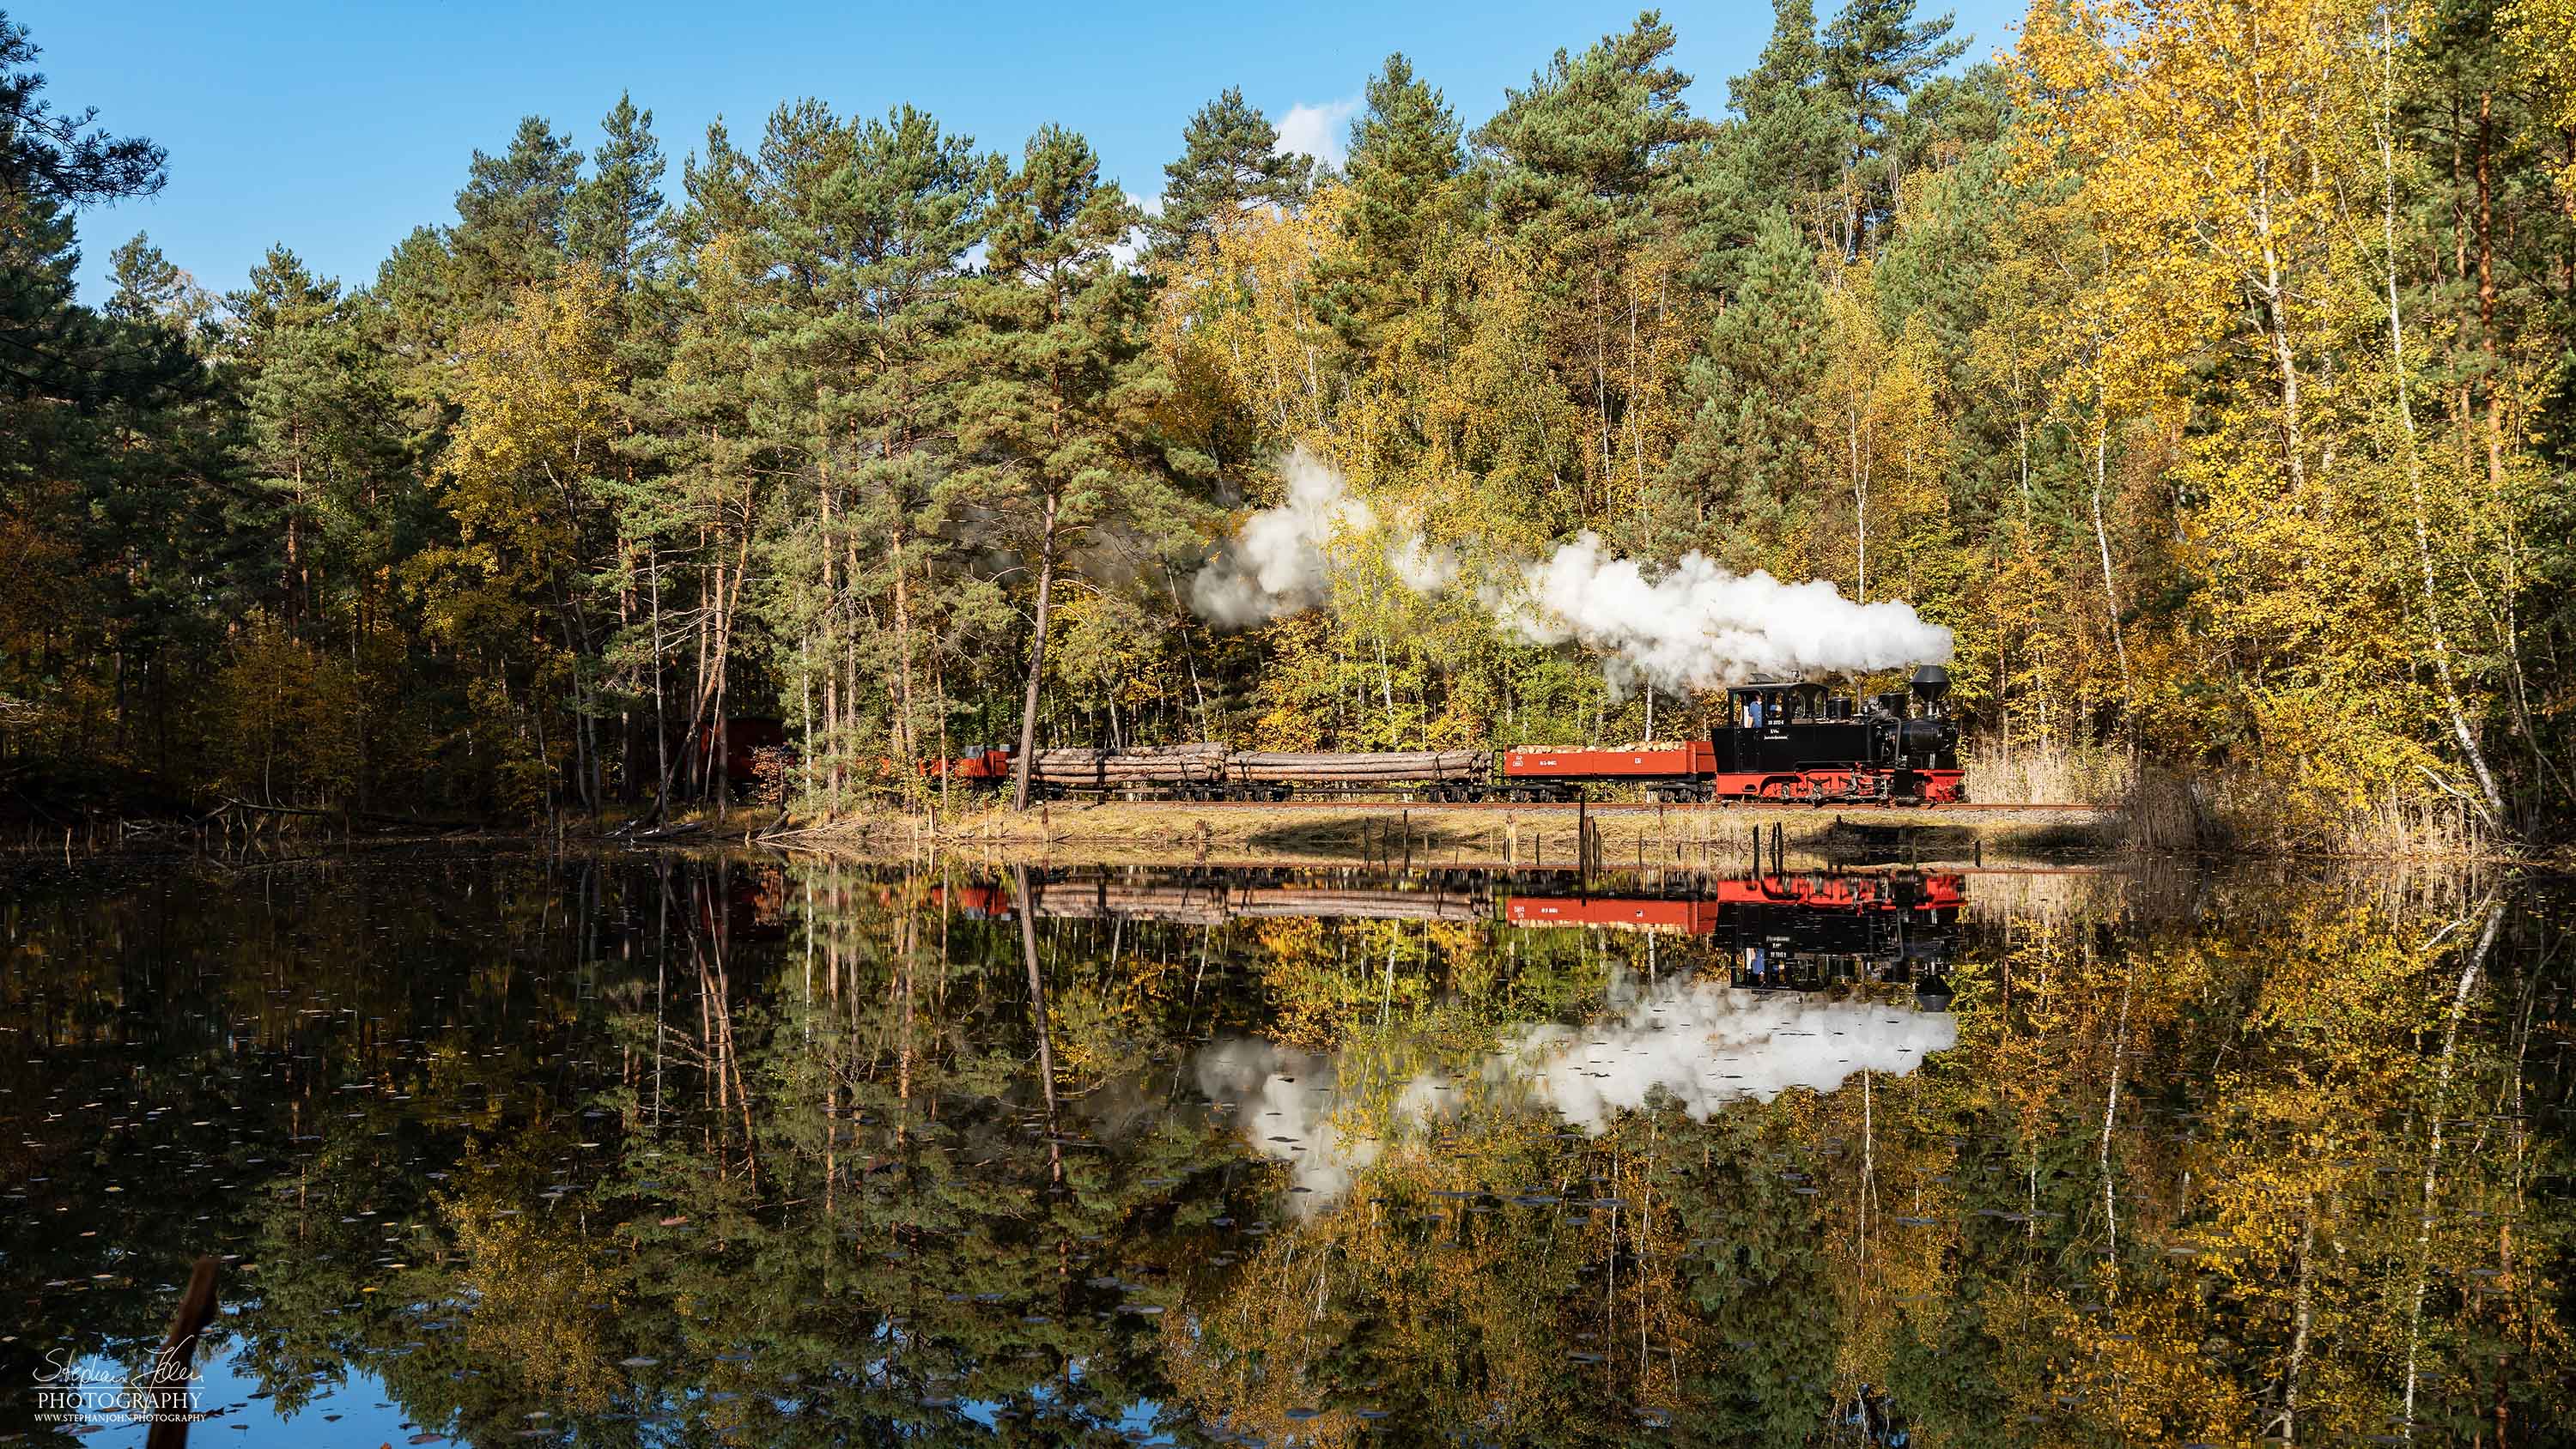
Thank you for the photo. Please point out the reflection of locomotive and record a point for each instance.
(1803, 932)
(1782, 741)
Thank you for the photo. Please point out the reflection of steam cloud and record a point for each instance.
(1697, 1040)
(1707, 1044)
(1283, 1101)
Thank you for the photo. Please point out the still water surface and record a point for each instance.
(660, 1150)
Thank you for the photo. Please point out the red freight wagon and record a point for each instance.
(1637, 762)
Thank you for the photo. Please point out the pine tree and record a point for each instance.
(1875, 54)
(880, 243)
(1229, 162)
(148, 287)
(1585, 169)
(1404, 203)
(1742, 466)
(1788, 148)
(60, 158)
(512, 214)
(1586, 145)
(316, 445)
(715, 455)
(1056, 421)
(611, 218)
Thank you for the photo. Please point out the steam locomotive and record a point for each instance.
(1784, 741)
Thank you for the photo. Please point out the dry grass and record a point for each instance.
(2166, 813)
(2049, 773)
(2251, 812)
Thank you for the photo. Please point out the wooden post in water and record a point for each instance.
(1582, 845)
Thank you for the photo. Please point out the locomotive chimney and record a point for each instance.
(1931, 684)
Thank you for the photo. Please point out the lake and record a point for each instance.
(646, 1149)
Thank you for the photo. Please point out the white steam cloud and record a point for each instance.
(1282, 563)
(1684, 629)
(1694, 1039)
(1696, 626)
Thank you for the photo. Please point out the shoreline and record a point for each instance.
(1379, 834)
(1630, 834)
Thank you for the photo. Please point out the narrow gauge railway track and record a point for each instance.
(1960, 807)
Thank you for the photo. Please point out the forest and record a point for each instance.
(2201, 365)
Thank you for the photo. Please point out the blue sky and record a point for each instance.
(337, 128)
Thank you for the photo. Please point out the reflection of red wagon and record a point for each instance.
(975, 902)
(1699, 914)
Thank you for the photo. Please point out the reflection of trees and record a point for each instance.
(676, 1150)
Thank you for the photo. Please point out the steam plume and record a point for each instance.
(1282, 562)
(1684, 630)
(1697, 626)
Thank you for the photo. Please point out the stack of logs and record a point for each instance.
(1215, 764)
(1387, 767)
(1140, 765)
(1208, 906)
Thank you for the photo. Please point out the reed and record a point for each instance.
(2252, 813)
(2048, 772)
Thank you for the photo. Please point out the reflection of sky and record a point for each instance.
(226, 1391)
(1137, 1423)
(1693, 1038)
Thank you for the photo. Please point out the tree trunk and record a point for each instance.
(1037, 656)
(1038, 1009)
(2487, 286)
(2110, 591)
(2302, 1315)
(2490, 795)
(906, 747)
(2433, 1151)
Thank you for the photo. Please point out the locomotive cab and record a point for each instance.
(1791, 739)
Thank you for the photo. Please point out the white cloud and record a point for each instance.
(1131, 246)
(1319, 131)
